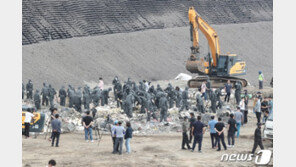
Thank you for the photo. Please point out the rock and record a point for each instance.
(68, 127)
(184, 77)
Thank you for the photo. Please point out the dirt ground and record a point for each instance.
(156, 150)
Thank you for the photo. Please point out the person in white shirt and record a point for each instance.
(203, 90)
(146, 85)
(242, 106)
(28, 119)
(101, 83)
(257, 109)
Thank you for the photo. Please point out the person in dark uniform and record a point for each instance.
(23, 90)
(220, 127)
(185, 128)
(198, 130)
(37, 99)
(29, 88)
(213, 99)
(238, 87)
(191, 120)
(45, 94)
(246, 107)
(257, 138)
(199, 103)
(163, 104)
(185, 100)
(231, 130)
(227, 89)
(62, 95)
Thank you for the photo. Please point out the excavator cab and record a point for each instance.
(229, 65)
(224, 63)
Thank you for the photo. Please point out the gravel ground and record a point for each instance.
(158, 54)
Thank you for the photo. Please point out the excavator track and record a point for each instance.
(216, 82)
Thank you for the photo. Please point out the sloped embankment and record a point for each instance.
(61, 19)
(151, 54)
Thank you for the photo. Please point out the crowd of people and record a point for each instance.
(216, 128)
(152, 100)
(130, 94)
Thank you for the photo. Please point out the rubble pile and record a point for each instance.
(106, 115)
(71, 119)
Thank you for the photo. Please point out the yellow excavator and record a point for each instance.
(213, 67)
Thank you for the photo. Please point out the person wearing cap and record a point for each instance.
(113, 135)
(260, 78)
(257, 138)
(29, 88)
(62, 96)
(185, 128)
(87, 123)
(56, 125)
(37, 100)
(239, 118)
(119, 132)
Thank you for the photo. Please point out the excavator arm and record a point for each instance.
(193, 31)
(213, 40)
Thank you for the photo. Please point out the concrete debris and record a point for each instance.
(106, 115)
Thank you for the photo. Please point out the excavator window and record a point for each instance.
(223, 62)
(231, 60)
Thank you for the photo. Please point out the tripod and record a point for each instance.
(47, 127)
